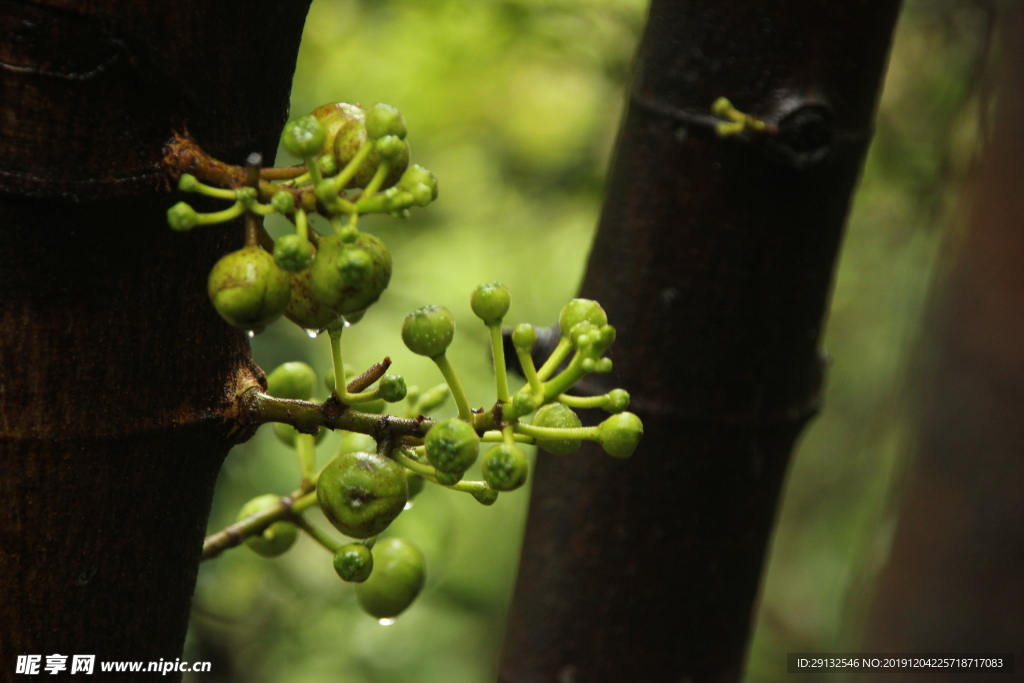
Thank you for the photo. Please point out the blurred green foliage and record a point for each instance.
(513, 104)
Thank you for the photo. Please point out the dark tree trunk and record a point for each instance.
(955, 581)
(117, 380)
(714, 259)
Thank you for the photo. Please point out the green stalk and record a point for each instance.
(465, 413)
(498, 353)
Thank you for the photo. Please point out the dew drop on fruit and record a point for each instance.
(312, 334)
(386, 622)
(408, 505)
(250, 334)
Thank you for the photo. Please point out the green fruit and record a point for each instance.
(283, 202)
(182, 217)
(392, 388)
(486, 496)
(384, 119)
(581, 310)
(248, 289)
(429, 330)
(353, 562)
(617, 401)
(452, 446)
(398, 577)
(505, 467)
(361, 493)
(338, 118)
(558, 416)
(304, 137)
(292, 380)
(346, 145)
(293, 253)
(347, 277)
(490, 302)
(276, 538)
(620, 434)
(287, 434)
(447, 478)
(524, 336)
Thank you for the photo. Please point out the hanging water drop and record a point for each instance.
(312, 334)
(408, 505)
(386, 622)
(250, 334)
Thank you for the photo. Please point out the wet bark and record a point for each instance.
(714, 259)
(117, 379)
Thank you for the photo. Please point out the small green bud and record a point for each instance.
(292, 380)
(558, 416)
(486, 496)
(283, 202)
(490, 302)
(448, 478)
(293, 253)
(523, 404)
(505, 467)
(337, 117)
(390, 147)
(362, 493)
(384, 120)
(246, 195)
(524, 336)
(287, 434)
(304, 137)
(277, 538)
(603, 365)
(182, 217)
(328, 164)
(353, 562)
(420, 195)
(452, 445)
(188, 182)
(433, 398)
(415, 482)
(620, 434)
(617, 401)
(588, 364)
(248, 289)
(429, 330)
(417, 175)
(398, 577)
(392, 388)
(581, 310)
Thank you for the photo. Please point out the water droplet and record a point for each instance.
(386, 622)
(408, 505)
(345, 322)
(312, 334)
(250, 334)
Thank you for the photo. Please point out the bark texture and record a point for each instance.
(955, 581)
(117, 379)
(714, 259)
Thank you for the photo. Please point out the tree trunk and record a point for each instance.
(714, 259)
(117, 379)
(955, 581)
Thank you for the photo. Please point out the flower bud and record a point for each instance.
(620, 434)
(557, 416)
(293, 253)
(362, 493)
(505, 467)
(524, 336)
(390, 147)
(353, 562)
(452, 445)
(448, 478)
(490, 302)
(384, 120)
(283, 202)
(581, 310)
(182, 217)
(188, 182)
(617, 401)
(304, 137)
(417, 175)
(277, 538)
(486, 496)
(392, 388)
(248, 289)
(398, 577)
(429, 330)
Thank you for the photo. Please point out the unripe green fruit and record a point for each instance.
(524, 336)
(558, 416)
(617, 401)
(417, 175)
(505, 467)
(338, 118)
(581, 310)
(448, 478)
(490, 302)
(384, 119)
(288, 434)
(429, 330)
(398, 577)
(523, 404)
(292, 380)
(392, 388)
(346, 278)
(248, 289)
(486, 496)
(620, 434)
(353, 562)
(452, 445)
(182, 217)
(293, 253)
(276, 538)
(362, 493)
(283, 202)
(304, 137)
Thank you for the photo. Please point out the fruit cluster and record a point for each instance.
(327, 283)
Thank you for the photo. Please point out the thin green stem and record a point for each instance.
(301, 224)
(305, 448)
(209, 191)
(313, 168)
(230, 213)
(562, 382)
(235, 534)
(498, 353)
(558, 432)
(339, 364)
(428, 472)
(494, 436)
(316, 534)
(350, 170)
(562, 350)
(377, 180)
(583, 401)
(458, 393)
(526, 361)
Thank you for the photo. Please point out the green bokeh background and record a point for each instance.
(514, 106)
